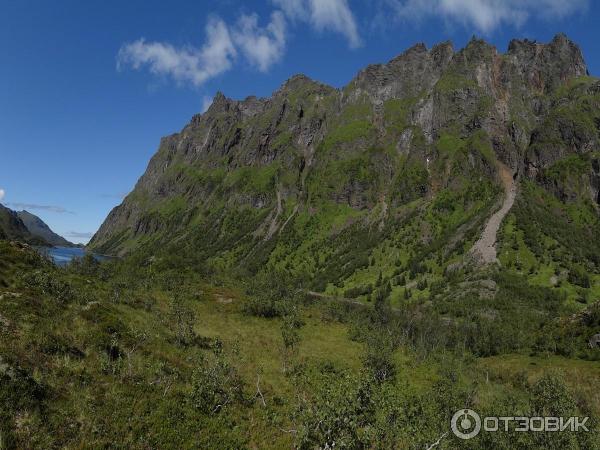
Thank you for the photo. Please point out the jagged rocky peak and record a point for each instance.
(547, 66)
(478, 50)
(301, 89)
(299, 85)
(442, 52)
(394, 124)
(405, 75)
(299, 82)
(220, 100)
(560, 46)
(544, 66)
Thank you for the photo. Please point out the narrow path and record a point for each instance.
(484, 249)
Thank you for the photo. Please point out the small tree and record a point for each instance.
(550, 397)
(378, 358)
(183, 319)
(215, 384)
(382, 302)
(337, 413)
(290, 325)
(271, 294)
(137, 339)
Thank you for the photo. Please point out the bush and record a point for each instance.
(272, 294)
(579, 277)
(378, 359)
(216, 384)
(47, 283)
(182, 319)
(358, 291)
(19, 391)
(336, 414)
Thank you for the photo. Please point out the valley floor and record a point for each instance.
(95, 355)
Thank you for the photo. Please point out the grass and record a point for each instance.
(99, 344)
(582, 376)
(453, 81)
(347, 132)
(102, 393)
(258, 180)
(260, 340)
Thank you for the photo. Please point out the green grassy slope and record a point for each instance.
(154, 355)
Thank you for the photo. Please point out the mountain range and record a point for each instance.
(24, 226)
(434, 161)
(366, 267)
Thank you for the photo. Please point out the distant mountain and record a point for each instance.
(38, 227)
(13, 228)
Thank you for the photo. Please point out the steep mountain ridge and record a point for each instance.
(26, 227)
(39, 228)
(336, 186)
(11, 226)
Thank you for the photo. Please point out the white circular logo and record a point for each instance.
(466, 424)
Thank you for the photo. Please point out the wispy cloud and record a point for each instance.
(485, 15)
(324, 15)
(33, 206)
(193, 65)
(2, 194)
(120, 195)
(78, 235)
(262, 47)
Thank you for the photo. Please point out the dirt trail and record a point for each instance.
(484, 249)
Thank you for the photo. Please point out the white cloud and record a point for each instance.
(261, 46)
(79, 234)
(335, 15)
(184, 64)
(2, 194)
(294, 9)
(486, 15)
(49, 208)
(332, 15)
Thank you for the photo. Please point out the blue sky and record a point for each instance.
(88, 88)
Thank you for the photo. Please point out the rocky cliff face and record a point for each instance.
(419, 136)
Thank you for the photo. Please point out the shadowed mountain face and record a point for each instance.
(38, 227)
(26, 227)
(11, 226)
(399, 170)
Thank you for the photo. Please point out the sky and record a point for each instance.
(88, 88)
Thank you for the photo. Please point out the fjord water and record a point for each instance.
(61, 256)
